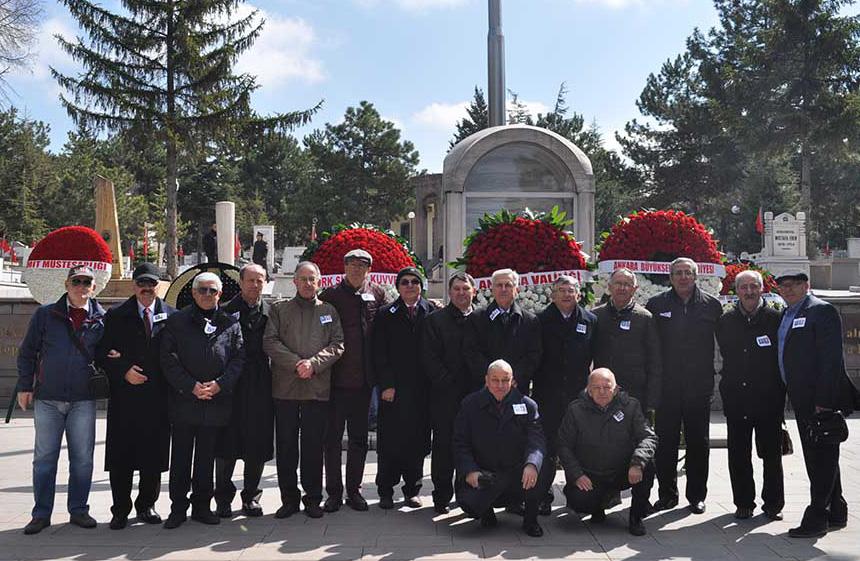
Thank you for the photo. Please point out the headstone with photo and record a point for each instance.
(784, 243)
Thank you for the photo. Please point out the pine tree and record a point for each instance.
(478, 118)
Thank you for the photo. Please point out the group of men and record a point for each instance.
(496, 395)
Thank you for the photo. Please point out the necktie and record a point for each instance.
(411, 312)
(147, 324)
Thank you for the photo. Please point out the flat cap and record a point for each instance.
(792, 274)
(358, 254)
(81, 271)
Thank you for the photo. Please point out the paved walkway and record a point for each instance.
(416, 533)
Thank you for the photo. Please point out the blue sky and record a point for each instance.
(419, 60)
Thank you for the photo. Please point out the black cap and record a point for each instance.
(147, 271)
(409, 271)
(81, 271)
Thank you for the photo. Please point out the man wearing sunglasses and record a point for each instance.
(138, 430)
(202, 353)
(54, 367)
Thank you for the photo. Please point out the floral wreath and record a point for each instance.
(390, 252)
(732, 271)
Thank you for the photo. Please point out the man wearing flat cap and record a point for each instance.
(356, 300)
(404, 426)
(138, 428)
(813, 367)
(54, 368)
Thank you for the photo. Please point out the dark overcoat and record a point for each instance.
(403, 427)
(138, 428)
(250, 433)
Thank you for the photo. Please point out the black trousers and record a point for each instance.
(348, 409)
(225, 490)
(192, 443)
(507, 490)
(768, 445)
(443, 411)
(148, 489)
(826, 502)
(605, 488)
(695, 416)
(391, 469)
(300, 421)
(552, 412)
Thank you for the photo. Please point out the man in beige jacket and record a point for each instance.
(303, 339)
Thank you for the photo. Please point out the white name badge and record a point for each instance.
(159, 317)
(495, 313)
(520, 409)
(581, 328)
(798, 322)
(625, 324)
(763, 341)
(619, 416)
(393, 309)
(665, 314)
(209, 329)
(325, 319)
(367, 297)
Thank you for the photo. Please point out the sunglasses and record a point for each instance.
(407, 282)
(205, 290)
(79, 282)
(145, 282)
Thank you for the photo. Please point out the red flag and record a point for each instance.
(145, 244)
(14, 256)
(314, 231)
(237, 247)
(759, 222)
(181, 252)
(131, 253)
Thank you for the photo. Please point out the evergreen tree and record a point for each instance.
(518, 113)
(478, 118)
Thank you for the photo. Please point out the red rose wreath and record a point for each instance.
(732, 271)
(390, 252)
(660, 235)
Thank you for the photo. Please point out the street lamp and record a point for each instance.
(411, 217)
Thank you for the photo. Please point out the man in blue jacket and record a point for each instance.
(54, 367)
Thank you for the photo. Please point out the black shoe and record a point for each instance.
(313, 510)
(742, 513)
(545, 508)
(697, 507)
(386, 503)
(224, 510)
(118, 522)
(489, 520)
(636, 526)
(533, 529)
(773, 514)
(332, 504)
(174, 521)
(149, 515)
(441, 509)
(287, 510)
(412, 502)
(356, 502)
(205, 517)
(598, 517)
(836, 524)
(807, 532)
(36, 525)
(517, 509)
(664, 504)
(252, 509)
(83, 519)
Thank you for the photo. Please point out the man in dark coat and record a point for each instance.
(686, 318)
(753, 396)
(567, 335)
(813, 367)
(202, 353)
(504, 330)
(250, 432)
(356, 300)
(499, 448)
(138, 428)
(606, 445)
(450, 380)
(260, 252)
(403, 432)
(210, 244)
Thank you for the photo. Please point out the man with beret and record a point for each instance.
(138, 428)
(813, 367)
(356, 300)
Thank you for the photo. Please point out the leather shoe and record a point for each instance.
(806, 532)
(489, 520)
(636, 526)
(174, 521)
(412, 502)
(386, 503)
(773, 514)
(252, 509)
(533, 529)
(36, 525)
(441, 509)
(332, 504)
(83, 519)
(664, 504)
(598, 517)
(313, 510)
(517, 509)
(836, 524)
(224, 510)
(149, 515)
(545, 508)
(118, 522)
(205, 517)
(356, 502)
(697, 507)
(287, 510)
(742, 513)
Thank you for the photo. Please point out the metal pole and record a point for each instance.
(496, 65)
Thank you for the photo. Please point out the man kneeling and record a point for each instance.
(498, 450)
(605, 445)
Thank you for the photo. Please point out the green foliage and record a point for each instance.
(478, 118)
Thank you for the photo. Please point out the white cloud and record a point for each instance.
(619, 4)
(412, 5)
(442, 116)
(47, 50)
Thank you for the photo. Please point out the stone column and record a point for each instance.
(107, 223)
(225, 217)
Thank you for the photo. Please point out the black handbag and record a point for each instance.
(827, 428)
(787, 446)
(98, 383)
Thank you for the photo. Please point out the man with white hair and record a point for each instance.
(753, 396)
(504, 330)
(202, 353)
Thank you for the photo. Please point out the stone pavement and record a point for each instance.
(416, 533)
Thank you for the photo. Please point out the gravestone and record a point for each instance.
(784, 243)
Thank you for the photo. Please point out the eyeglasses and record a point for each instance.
(407, 282)
(80, 282)
(206, 290)
(145, 283)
